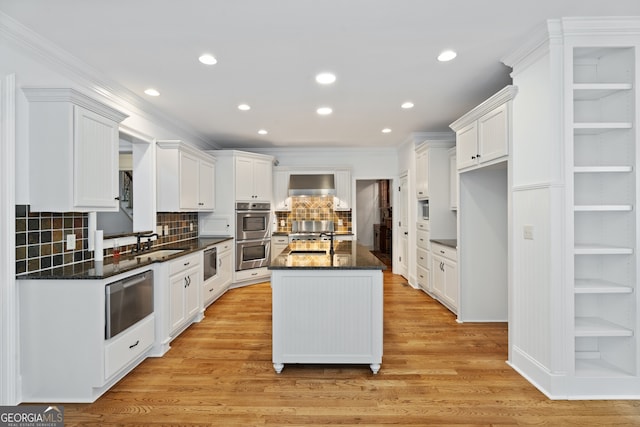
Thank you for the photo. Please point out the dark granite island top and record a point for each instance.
(348, 255)
(128, 262)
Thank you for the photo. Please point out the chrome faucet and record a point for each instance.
(141, 246)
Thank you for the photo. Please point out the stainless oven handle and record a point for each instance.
(261, 212)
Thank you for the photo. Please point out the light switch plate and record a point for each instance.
(527, 232)
(71, 241)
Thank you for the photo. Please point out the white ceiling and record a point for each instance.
(382, 51)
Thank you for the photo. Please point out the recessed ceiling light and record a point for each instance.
(325, 78)
(324, 111)
(207, 59)
(262, 132)
(386, 130)
(407, 105)
(447, 55)
(152, 92)
(244, 107)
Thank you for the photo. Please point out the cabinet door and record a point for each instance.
(342, 201)
(262, 180)
(281, 191)
(421, 176)
(437, 275)
(450, 293)
(467, 146)
(192, 289)
(225, 267)
(95, 180)
(177, 285)
(244, 179)
(188, 181)
(206, 191)
(493, 135)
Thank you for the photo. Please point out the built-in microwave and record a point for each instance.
(424, 209)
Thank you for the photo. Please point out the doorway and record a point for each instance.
(374, 217)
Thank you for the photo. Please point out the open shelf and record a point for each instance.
(595, 91)
(596, 367)
(603, 169)
(603, 208)
(598, 286)
(595, 128)
(595, 249)
(598, 327)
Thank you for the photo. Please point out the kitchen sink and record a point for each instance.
(308, 252)
(159, 254)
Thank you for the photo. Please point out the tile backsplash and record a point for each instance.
(315, 208)
(41, 237)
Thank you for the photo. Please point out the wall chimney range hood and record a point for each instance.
(312, 185)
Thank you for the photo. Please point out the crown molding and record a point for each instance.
(91, 80)
(39, 94)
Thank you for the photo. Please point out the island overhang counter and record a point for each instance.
(327, 308)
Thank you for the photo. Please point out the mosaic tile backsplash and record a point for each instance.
(314, 209)
(41, 237)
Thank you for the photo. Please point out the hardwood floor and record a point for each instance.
(434, 372)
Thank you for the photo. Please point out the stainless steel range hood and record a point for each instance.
(312, 185)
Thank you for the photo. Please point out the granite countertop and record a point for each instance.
(97, 270)
(314, 255)
(452, 243)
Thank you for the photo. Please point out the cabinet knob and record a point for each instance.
(478, 155)
(473, 157)
(116, 198)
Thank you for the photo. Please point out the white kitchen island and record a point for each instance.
(327, 309)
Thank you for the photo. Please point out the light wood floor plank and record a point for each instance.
(434, 372)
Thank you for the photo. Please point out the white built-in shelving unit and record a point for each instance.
(604, 191)
(574, 315)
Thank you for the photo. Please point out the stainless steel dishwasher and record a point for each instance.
(127, 302)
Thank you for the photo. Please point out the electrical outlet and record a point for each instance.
(159, 230)
(71, 242)
(190, 226)
(166, 230)
(340, 223)
(527, 232)
(282, 223)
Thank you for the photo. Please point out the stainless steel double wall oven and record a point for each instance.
(253, 237)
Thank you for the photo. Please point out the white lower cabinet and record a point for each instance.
(215, 286)
(64, 356)
(444, 270)
(278, 244)
(177, 298)
(128, 346)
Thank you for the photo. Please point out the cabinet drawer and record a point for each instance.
(125, 348)
(422, 239)
(225, 246)
(423, 277)
(423, 258)
(279, 240)
(185, 262)
(444, 251)
(422, 225)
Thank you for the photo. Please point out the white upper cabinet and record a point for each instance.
(342, 199)
(73, 152)
(253, 179)
(186, 178)
(483, 134)
(422, 176)
(281, 199)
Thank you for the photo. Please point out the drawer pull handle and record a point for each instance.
(441, 252)
(133, 345)
(187, 263)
